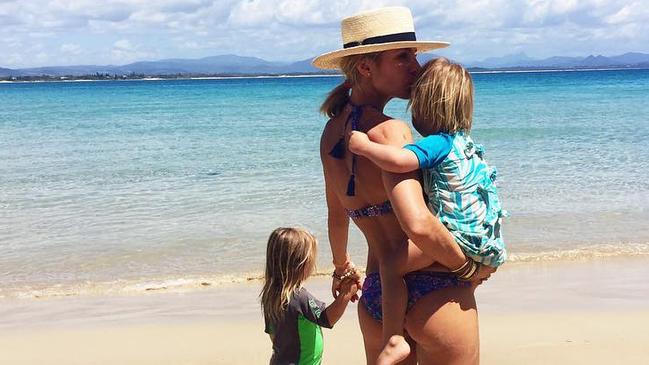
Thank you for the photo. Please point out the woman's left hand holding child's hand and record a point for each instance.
(349, 287)
(346, 271)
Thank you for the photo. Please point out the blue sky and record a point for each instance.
(66, 32)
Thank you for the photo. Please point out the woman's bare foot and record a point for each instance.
(394, 351)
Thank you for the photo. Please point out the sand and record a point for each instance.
(594, 312)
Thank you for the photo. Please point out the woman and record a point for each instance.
(378, 60)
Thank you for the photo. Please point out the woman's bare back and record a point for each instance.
(382, 232)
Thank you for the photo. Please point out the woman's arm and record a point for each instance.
(337, 227)
(424, 229)
(407, 198)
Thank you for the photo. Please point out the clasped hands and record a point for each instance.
(346, 282)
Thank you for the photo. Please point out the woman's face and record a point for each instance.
(395, 71)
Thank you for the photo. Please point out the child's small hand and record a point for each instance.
(348, 288)
(358, 141)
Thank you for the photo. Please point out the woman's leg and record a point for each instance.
(444, 324)
(372, 334)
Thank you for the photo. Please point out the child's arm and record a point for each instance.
(318, 312)
(335, 310)
(388, 158)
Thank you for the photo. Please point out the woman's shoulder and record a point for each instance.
(330, 134)
(391, 131)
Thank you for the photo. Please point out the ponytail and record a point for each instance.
(336, 100)
(339, 97)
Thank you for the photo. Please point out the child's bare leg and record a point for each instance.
(394, 264)
(394, 301)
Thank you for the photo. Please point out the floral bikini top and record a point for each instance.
(338, 152)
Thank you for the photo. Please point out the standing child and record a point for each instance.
(293, 316)
(457, 180)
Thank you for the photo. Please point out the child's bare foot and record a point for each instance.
(394, 351)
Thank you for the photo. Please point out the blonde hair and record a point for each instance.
(339, 96)
(290, 259)
(442, 98)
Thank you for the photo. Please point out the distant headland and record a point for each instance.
(226, 66)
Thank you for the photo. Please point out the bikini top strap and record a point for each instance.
(355, 117)
(338, 151)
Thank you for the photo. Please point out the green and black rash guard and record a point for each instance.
(297, 338)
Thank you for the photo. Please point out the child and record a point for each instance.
(293, 316)
(458, 182)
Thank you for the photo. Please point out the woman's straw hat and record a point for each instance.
(374, 31)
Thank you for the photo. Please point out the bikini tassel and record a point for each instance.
(338, 151)
(351, 186)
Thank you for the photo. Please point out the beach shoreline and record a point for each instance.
(591, 311)
(191, 282)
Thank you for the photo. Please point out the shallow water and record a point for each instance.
(126, 185)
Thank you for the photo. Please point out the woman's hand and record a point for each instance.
(484, 272)
(343, 274)
(340, 287)
(348, 288)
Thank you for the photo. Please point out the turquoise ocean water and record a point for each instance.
(115, 187)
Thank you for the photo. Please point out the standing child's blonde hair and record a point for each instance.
(290, 259)
(442, 98)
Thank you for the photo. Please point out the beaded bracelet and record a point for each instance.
(348, 273)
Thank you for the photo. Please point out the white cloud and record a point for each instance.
(128, 30)
(150, 17)
(71, 48)
(186, 6)
(125, 51)
(252, 13)
(42, 57)
(635, 12)
(14, 59)
(8, 20)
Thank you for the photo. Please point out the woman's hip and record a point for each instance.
(419, 284)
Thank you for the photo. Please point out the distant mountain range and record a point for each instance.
(521, 60)
(216, 65)
(237, 65)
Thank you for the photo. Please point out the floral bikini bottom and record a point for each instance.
(419, 283)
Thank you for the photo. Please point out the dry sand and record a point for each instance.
(594, 312)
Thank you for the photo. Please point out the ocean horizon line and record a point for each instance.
(311, 75)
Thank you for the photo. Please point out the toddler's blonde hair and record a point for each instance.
(442, 98)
